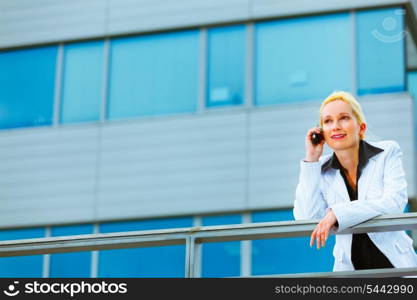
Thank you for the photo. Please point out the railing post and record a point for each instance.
(188, 258)
(192, 258)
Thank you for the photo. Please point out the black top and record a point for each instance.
(365, 255)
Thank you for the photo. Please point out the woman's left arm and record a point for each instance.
(393, 200)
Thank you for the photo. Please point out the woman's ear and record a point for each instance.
(362, 130)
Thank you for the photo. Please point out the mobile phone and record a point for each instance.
(316, 138)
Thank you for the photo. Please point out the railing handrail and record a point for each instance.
(389, 272)
(192, 237)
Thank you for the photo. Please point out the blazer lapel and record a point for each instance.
(365, 179)
(339, 187)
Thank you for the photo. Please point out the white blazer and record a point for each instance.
(382, 189)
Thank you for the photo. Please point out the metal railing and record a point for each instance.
(194, 237)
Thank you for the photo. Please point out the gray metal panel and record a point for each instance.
(147, 15)
(48, 175)
(411, 53)
(411, 17)
(390, 117)
(273, 8)
(180, 165)
(26, 22)
(276, 141)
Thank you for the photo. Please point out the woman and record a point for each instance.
(358, 182)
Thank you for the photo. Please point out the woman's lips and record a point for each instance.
(338, 136)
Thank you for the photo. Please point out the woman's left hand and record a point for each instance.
(322, 230)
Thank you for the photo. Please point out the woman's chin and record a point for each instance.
(340, 145)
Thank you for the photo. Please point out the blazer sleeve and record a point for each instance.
(309, 202)
(393, 201)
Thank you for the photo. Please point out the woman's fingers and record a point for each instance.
(320, 236)
(323, 239)
(312, 238)
(326, 236)
(315, 236)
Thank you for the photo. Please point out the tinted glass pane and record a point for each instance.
(82, 82)
(412, 88)
(226, 65)
(221, 259)
(288, 255)
(303, 58)
(74, 264)
(21, 266)
(27, 81)
(380, 51)
(412, 84)
(167, 261)
(154, 74)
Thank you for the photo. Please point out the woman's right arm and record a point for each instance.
(309, 202)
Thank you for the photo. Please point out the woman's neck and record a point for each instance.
(349, 158)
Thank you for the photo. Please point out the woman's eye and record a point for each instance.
(345, 117)
(326, 121)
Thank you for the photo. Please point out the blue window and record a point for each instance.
(226, 65)
(288, 255)
(21, 266)
(303, 58)
(221, 259)
(74, 264)
(380, 51)
(82, 82)
(412, 89)
(27, 81)
(154, 74)
(165, 261)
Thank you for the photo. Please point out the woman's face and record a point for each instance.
(340, 127)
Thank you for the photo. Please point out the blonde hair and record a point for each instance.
(349, 99)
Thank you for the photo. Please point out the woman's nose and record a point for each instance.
(335, 125)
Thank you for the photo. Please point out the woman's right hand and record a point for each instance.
(313, 152)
